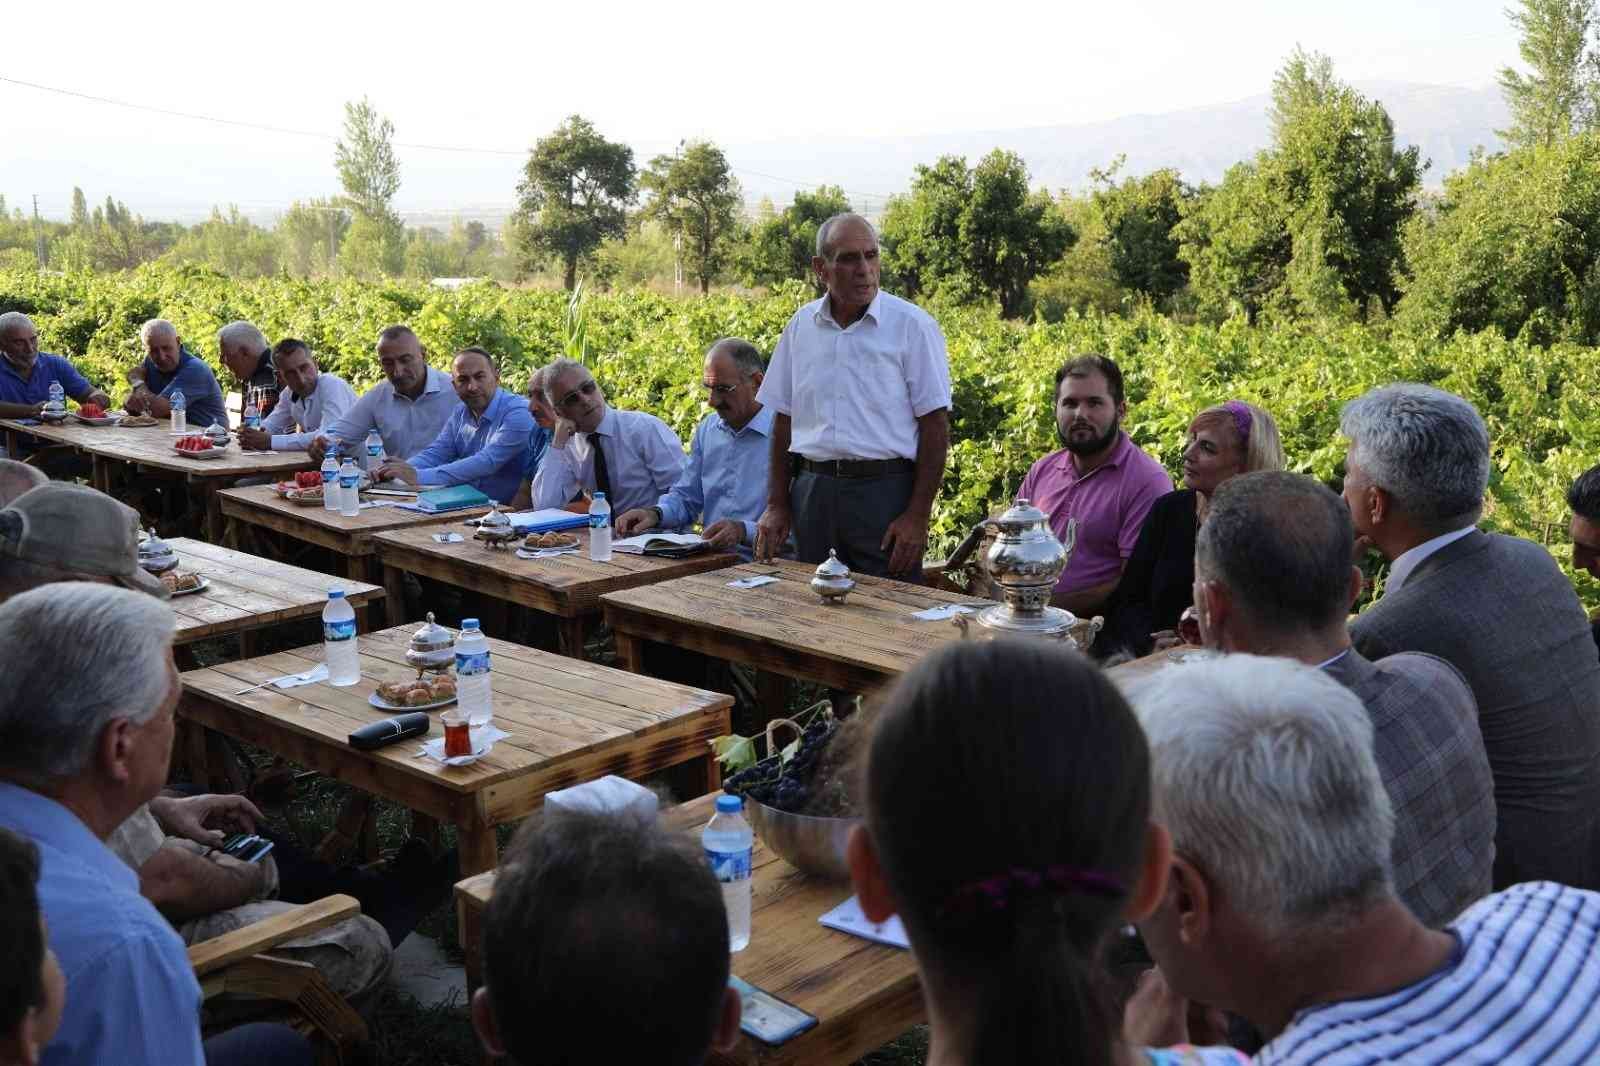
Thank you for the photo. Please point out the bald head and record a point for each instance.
(19, 340)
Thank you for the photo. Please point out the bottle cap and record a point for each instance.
(599, 495)
(336, 594)
(469, 623)
(727, 804)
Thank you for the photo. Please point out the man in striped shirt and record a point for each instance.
(1281, 907)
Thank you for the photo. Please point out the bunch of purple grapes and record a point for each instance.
(786, 787)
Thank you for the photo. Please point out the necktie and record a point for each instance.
(602, 476)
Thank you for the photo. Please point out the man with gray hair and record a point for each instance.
(1275, 575)
(85, 738)
(244, 351)
(544, 424)
(725, 479)
(1497, 608)
(26, 373)
(860, 387)
(169, 367)
(1280, 904)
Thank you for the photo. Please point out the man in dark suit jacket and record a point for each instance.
(1275, 575)
(1497, 608)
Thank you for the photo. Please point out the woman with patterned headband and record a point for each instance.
(1007, 806)
(1230, 438)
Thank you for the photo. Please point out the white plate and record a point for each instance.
(382, 705)
(212, 453)
(107, 420)
(204, 584)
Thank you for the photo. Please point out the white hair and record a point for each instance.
(241, 332)
(1263, 771)
(74, 656)
(1427, 448)
(825, 232)
(14, 318)
(553, 374)
(156, 325)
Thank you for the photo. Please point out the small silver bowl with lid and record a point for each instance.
(432, 648)
(156, 556)
(832, 580)
(218, 434)
(495, 529)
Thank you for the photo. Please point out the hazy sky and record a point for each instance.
(493, 76)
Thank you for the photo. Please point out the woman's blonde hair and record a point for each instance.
(1253, 427)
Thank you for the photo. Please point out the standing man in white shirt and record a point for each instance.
(632, 457)
(315, 399)
(408, 410)
(860, 383)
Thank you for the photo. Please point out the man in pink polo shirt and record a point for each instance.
(1100, 478)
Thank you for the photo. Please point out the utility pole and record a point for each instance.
(38, 233)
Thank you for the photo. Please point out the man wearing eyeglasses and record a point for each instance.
(860, 383)
(726, 476)
(632, 457)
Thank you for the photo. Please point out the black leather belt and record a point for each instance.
(854, 468)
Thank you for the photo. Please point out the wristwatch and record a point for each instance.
(659, 516)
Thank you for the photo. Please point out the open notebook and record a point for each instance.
(668, 544)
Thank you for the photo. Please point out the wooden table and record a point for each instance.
(785, 627)
(862, 994)
(118, 454)
(569, 722)
(247, 593)
(567, 586)
(348, 538)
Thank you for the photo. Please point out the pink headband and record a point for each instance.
(1241, 417)
(997, 893)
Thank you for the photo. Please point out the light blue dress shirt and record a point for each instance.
(725, 477)
(538, 444)
(487, 453)
(407, 426)
(132, 998)
(644, 459)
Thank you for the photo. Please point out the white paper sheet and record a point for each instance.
(847, 918)
(942, 611)
(752, 582)
(310, 677)
(483, 739)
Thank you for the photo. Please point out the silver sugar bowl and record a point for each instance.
(495, 529)
(1025, 561)
(832, 580)
(156, 556)
(432, 649)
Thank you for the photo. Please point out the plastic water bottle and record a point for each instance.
(349, 489)
(339, 640)
(600, 529)
(252, 412)
(58, 397)
(330, 479)
(474, 674)
(180, 411)
(728, 842)
(374, 450)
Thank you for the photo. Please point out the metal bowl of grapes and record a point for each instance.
(799, 800)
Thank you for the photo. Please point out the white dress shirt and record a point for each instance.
(330, 398)
(1411, 558)
(407, 426)
(644, 459)
(856, 392)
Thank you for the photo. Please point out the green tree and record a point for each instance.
(373, 247)
(230, 243)
(1312, 224)
(781, 245)
(1550, 101)
(80, 209)
(696, 197)
(365, 159)
(1138, 216)
(309, 234)
(574, 194)
(970, 234)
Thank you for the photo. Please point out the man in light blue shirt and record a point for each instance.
(725, 478)
(544, 423)
(170, 368)
(485, 442)
(408, 410)
(632, 457)
(75, 761)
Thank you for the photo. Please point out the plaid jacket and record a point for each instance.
(1431, 756)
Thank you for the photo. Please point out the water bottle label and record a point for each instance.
(329, 476)
(729, 865)
(337, 631)
(348, 482)
(599, 521)
(471, 664)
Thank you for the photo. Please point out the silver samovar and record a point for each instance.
(1025, 560)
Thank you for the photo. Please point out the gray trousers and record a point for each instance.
(849, 515)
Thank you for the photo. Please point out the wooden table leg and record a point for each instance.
(476, 844)
(213, 520)
(573, 632)
(630, 651)
(426, 829)
(469, 931)
(394, 595)
(772, 693)
(249, 643)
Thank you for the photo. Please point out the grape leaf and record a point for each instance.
(787, 751)
(734, 752)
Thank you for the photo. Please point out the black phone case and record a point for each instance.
(390, 730)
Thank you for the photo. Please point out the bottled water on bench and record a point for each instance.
(349, 489)
(58, 397)
(600, 529)
(252, 412)
(339, 640)
(728, 841)
(474, 674)
(180, 411)
(330, 479)
(374, 451)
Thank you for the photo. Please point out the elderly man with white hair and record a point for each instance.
(1280, 904)
(170, 367)
(26, 373)
(1495, 607)
(244, 351)
(85, 738)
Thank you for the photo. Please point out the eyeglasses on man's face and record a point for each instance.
(718, 390)
(586, 389)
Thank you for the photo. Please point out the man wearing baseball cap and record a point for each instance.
(64, 532)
